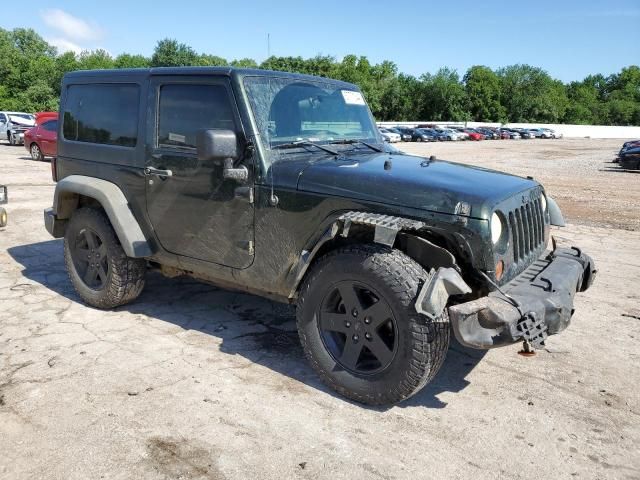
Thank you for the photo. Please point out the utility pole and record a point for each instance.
(268, 45)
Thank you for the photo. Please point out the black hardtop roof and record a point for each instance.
(138, 73)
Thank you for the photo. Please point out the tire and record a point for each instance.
(12, 141)
(419, 139)
(418, 345)
(3, 217)
(36, 152)
(117, 279)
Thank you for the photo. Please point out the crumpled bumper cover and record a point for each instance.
(539, 302)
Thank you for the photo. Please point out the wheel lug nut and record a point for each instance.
(367, 320)
(355, 338)
(347, 324)
(354, 312)
(367, 336)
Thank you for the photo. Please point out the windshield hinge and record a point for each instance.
(244, 193)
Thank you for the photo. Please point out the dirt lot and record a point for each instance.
(197, 382)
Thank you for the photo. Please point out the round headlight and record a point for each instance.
(543, 201)
(496, 228)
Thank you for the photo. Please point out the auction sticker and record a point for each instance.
(352, 98)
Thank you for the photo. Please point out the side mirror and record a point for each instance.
(217, 145)
(221, 146)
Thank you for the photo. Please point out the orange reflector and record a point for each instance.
(499, 269)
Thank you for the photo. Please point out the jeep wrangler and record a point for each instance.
(280, 185)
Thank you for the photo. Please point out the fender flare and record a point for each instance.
(115, 205)
(386, 229)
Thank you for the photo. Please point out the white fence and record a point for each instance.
(582, 131)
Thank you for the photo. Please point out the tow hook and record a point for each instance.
(527, 349)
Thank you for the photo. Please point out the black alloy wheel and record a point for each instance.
(358, 328)
(89, 254)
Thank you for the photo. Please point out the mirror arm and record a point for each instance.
(229, 172)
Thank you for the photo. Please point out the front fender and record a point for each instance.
(114, 203)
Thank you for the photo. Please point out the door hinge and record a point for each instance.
(244, 192)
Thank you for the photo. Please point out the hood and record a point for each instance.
(23, 122)
(410, 181)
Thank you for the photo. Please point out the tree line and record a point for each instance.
(31, 71)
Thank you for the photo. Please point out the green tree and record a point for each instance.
(244, 63)
(482, 87)
(442, 97)
(529, 94)
(170, 53)
(126, 60)
(96, 59)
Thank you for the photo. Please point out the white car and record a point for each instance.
(14, 124)
(552, 133)
(389, 136)
(450, 133)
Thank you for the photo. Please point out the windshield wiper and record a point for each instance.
(353, 141)
(304, 143)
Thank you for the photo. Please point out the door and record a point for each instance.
(195, 212)
(46, 135)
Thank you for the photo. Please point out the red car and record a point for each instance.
(473, 135)
(42, 140)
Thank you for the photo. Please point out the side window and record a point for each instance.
(184, 109)
(3, 118)
(102, 113)
(51, 125)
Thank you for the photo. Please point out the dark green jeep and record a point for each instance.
(280, 185)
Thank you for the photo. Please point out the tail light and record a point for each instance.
(54, 170)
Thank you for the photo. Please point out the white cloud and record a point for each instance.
(70, 26)
(64, 45)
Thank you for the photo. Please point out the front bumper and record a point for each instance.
(538, 303)
(18, 137)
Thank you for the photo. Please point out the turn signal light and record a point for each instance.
(499, 269)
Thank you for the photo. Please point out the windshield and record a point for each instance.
(288, 110)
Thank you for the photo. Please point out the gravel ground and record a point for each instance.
(197, 382)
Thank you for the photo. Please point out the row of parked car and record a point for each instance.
(629, 155)
(437, 133)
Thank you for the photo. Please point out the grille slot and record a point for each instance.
(526, 225)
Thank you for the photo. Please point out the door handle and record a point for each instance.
(158, 172)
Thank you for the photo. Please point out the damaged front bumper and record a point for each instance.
(537, 303)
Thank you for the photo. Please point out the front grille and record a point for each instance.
(526, 225)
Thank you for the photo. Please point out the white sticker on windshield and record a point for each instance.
(174, 137)
(352, 98)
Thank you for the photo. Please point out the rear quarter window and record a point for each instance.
(102, 113)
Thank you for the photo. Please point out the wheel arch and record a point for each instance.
(411, 237)
(79, 190)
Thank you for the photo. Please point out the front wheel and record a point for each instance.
(359, 328)
(12, 140)
(99, 270)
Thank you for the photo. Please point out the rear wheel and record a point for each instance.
(36, 153)
(99, 270)
(3, 217)
(419, 139)
(359, 328)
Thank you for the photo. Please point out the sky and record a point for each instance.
(569, 39)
